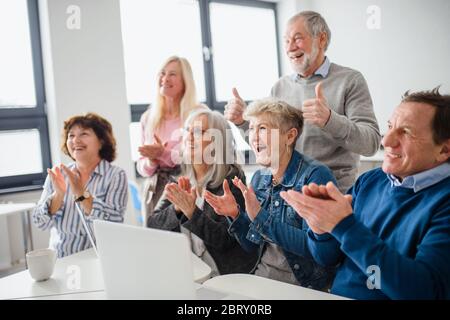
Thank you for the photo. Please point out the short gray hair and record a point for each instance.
(314, 23)
(280, 114)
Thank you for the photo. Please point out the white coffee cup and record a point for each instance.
(41, 263)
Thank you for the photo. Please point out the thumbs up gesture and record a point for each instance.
(234, 109)
(316, 111)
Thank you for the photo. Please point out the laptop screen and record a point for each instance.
(86, 227)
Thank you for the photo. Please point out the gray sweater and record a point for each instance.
(352, 129)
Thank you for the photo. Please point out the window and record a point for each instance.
(228, 43)
(23, 121)
(244, 42)
(152, 31)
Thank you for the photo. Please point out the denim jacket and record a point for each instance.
(277, 222)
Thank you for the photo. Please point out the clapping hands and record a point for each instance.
(182, 196)
(226, 205)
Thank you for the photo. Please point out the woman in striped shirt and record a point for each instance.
(100, 188)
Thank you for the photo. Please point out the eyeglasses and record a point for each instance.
(196, 131)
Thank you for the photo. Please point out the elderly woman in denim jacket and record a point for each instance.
(209, 163)
(268, 224)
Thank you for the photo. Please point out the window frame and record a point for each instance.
(212, 102)
(19, 118)
(138, 109)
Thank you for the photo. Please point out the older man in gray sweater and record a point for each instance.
(340, 123)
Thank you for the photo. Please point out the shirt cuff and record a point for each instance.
(97, 211)
(240, 223)
(343, 226)
(46, 209)
(196, 215)
(319, 237)
(262, 218)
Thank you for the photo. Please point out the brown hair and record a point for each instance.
(102, 129)
(440, 124)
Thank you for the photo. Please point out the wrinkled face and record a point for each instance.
(171, 82)
(409, 145)
(267, 141)
(197, 140)
(301, 48)
(83, 144)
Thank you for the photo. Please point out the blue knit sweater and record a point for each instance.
(404, 234)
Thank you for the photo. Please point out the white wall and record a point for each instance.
(285, 9)
(410, 51)
(84, 71)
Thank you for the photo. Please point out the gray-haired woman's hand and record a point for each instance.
(182, 200)
(224, 205)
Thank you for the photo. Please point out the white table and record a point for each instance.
(261, 288)
(24, 209)
(62, 282)
(231, 287)
(208, 294)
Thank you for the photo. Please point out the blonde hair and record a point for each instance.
(188, 100)
(279, 114)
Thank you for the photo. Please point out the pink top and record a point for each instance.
(169, 131)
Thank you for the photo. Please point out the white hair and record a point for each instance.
(225, 156)
(314, 23)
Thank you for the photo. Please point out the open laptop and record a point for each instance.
(142, 263)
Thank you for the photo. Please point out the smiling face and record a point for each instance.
(305, 53)
(83, 144)
(195, 142)
(171, 83)
(409, 145)
(268, 142)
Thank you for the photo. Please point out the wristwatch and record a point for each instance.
(84, 196)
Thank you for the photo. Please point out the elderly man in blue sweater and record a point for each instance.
(390, 234)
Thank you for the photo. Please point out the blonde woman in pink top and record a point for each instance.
(162, 129)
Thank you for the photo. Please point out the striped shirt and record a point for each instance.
(109, 188)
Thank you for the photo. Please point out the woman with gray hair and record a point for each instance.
(209, 164)
(267, 224)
